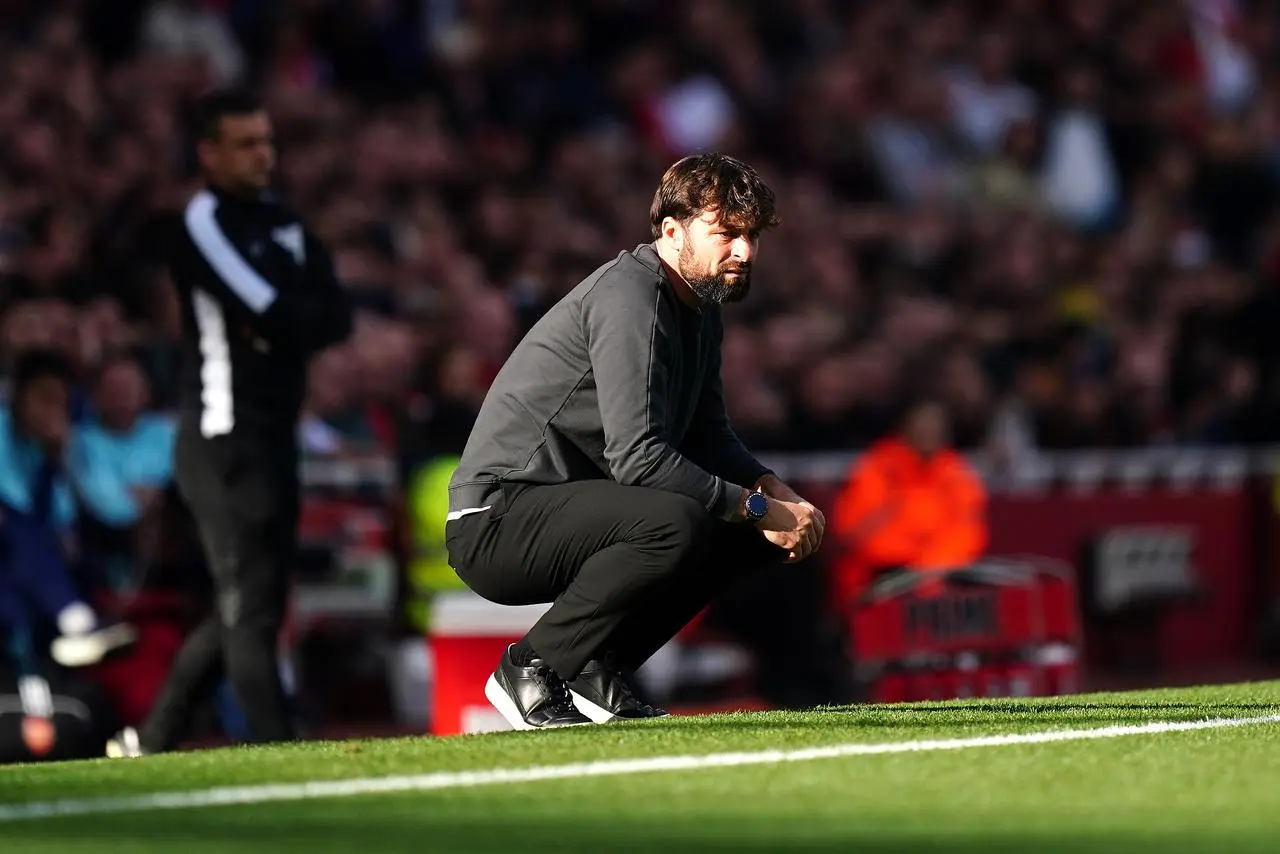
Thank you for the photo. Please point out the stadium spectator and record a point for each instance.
(39, 595)
(332, 423)
(123, 454)
(1013, 161)
(1069, 208)
(911, 503)
(121, 465)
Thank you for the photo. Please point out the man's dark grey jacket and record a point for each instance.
(619, 380)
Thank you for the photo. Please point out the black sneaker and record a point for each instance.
(603, 693)
(531, 697)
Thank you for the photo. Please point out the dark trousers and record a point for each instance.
(625, 567)
(35, 582)
(33, 571)
(244, 497)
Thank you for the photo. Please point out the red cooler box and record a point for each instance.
(467, 637)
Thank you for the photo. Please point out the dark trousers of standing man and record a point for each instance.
(243, 493)
(625, 567)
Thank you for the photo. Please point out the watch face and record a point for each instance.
(757, 505)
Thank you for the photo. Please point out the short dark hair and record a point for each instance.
(714, 182)
(210, 109)
(35, 365)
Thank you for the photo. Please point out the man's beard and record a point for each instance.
(715, 287)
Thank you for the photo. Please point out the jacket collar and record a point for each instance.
(647, 255)
(223, 195)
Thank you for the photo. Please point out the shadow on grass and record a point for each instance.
(932, 717)
(400, 832)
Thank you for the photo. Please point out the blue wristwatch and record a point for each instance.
(757, 506)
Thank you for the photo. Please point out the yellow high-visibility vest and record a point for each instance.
(429, 570)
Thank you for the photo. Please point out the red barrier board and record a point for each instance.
(1216, 624)
(954, 619)
(1222, 540)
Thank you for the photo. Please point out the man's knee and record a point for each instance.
(485, 582)
(248, 617)
(252, 597)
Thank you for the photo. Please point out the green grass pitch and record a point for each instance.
(900, 785)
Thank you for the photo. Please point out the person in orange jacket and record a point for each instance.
(912, 502)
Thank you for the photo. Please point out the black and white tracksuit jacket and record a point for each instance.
(259, 298)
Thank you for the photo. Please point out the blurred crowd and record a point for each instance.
(1059, 216)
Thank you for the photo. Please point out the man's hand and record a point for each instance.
(773, 486)
(796, 527)
(819, 520)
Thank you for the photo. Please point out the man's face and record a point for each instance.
(244, 154)
(715, 259)
(121, 395)
(928, 429)
(331, 382)
(44, 411)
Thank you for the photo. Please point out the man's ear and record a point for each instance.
(205, 153)
(673, 231)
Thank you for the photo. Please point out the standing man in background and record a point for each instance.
(259, 299)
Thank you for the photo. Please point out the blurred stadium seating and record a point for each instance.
(1059, 217)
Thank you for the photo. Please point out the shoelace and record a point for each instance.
(558, 699)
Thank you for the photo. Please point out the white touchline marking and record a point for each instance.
(265, 793)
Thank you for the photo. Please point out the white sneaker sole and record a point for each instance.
(598, 714)
(505, 705)
(83, 650)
